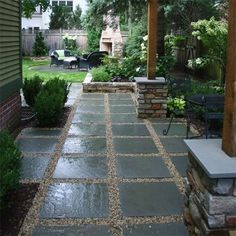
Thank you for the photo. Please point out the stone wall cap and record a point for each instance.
(144, 80)
(210, 156)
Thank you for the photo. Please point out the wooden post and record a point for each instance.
(152, 39)
(229, 129)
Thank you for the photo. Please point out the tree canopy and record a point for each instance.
(29, 6)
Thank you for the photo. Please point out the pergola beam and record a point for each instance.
(152, 39)
(229, 129)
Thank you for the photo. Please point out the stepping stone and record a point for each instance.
(134, 145)
(175, 129)
(97, 96)
(130, 130)
(88, 129)
(121, 102)
(41, 132)
(66, 200)
(181, 164)
(123, 109)
(150, 199)
(120, 96)
(38, 145)
(88, 118)
(81, 167)
(125, 118)
(174, 145)
(33, 167)
(168, 229)
(90, 109)
(83, 230)
(91, 103)
(90, 145)
(141, 167)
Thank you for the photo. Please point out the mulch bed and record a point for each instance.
(20, 201)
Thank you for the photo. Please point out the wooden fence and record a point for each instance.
(53, 39)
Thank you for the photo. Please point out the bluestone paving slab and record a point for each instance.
(150, 199)
(141, 167)
(96, 96)
(33, 167)
(175, 129)
(91, 103)
(78, 230)
(66, 200)
(168, 229)
(134, 145)
(174, 145)
(88, 109)
(122, 109)
(77, 145)
(119, 96)
(42, 132)
(125, 118)
(81, 167)
(130, 130)
(87, 129)
(38, 145)
(121, 102)
(88, 118)
(181, 164)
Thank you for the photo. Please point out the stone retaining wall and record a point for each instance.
(107, 87)
(210, 203)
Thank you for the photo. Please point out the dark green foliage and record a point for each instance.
(29, 6)
(94, 35)
(31, 88)
(100, 75)
(50, 101)
(76, 18)
(10, 163)
(39, 48)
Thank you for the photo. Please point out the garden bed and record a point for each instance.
(107, 87)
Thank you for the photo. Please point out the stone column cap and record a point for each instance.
(210, 156)
(144, 80)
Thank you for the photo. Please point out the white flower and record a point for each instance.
(198, 61)
(138, 69)
(145, 38)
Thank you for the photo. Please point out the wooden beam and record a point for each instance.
(152, 39)
(229, 129)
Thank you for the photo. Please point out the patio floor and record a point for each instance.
(106, 173)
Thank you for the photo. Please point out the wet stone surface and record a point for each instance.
(125, 118)
(130, 130)
(88, 118)
(175, 129)
(141, 167)
(83, 230)
(91, 103)
(33, 167)
(92, 109)
(174, 145)
(134, 145)
(121, 96)
(161, 199)
(87, 129)
(42, 132)
(65, 200)
(81, 167)
(38, 145)
(89, 145)
(169, 229)
(123, 109)
(97, 96)
(181, 164)
(121, 102)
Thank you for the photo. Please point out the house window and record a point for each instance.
(54, 3)
(62, 3)
(70, 5)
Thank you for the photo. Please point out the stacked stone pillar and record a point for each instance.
(210, 202)
(151, 97)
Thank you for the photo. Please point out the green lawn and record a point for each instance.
(73, 76)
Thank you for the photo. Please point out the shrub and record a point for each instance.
(100, 75)
(31, 88)
(48, 107)
(10, 160)
(58, 85)
(39, 48)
